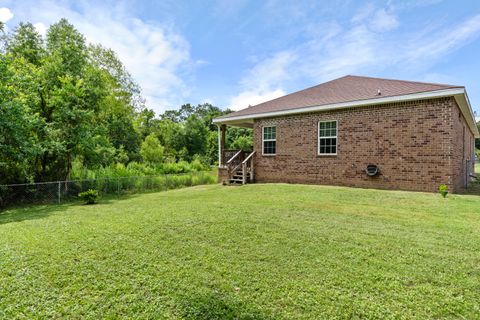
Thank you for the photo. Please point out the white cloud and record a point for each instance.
(5, 15)
(156, 55)
(253, 97)
(445, 41)
(347, 53)
(378, 20)
(263, 82)
(383, 21)
(364, 12)
(367, 46)
(41, 28)
(270, 72)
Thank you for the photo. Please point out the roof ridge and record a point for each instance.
(400, 80)
(295, 92)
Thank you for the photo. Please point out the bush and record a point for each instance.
(134, 169)
(443, 190)
(90, 196)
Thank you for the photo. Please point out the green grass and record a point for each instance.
(252, 252)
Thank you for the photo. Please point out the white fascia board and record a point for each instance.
(466, 108)
(349, 104)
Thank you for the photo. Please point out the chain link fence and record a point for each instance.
(67, 191)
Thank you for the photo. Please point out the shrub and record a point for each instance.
(443, 190)
(90, 196)
(152, 151)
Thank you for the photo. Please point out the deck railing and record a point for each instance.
(235, 162)
(248, 168)
(228, 154)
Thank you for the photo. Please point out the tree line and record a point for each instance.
(65, 101)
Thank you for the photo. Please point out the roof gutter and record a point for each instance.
(455, 92)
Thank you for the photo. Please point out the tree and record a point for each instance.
(63, 101)
(26, 43)
(152, 151)
(118, 108)
(196, 136)
(66, 44)
(172, 137)
(18, 144)
(243, 135)
(144, 122)
(243, 143)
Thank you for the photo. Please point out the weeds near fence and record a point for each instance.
(67, 191)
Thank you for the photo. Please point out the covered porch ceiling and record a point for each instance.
(243, 123)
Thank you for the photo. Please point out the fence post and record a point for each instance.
(118, 186)
(59, 192)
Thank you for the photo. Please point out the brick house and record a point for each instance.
(360, 132)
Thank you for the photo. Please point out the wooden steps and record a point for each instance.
(240, 168)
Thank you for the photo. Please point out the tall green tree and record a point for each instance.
(118, 109)
(26, 43)
(152, 151)
(18, 143)
(63, 101)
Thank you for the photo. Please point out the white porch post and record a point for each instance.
(221, 144)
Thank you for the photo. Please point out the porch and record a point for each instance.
(234, 166)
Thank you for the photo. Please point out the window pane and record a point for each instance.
(269, 147)
(328, 129)
(269, 133)
(328, 146)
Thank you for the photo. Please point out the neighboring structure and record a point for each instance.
(360, 132)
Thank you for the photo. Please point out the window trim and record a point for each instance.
(263, 140)
(327, 137)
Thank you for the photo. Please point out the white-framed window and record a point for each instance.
(269, 140)
(327, 137)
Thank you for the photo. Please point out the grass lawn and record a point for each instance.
(252, 252)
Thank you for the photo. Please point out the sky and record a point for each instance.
(236, 53)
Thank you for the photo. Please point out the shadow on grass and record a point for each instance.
(39, 211)
(30, 212)
(215, 306)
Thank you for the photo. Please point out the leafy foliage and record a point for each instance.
(443, 190)
(89, 197)
(152, 151)
(64, 102)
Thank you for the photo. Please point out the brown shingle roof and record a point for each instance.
(345, 89)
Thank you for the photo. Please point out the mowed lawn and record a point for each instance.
(253, 252)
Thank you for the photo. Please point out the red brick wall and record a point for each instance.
(222, 175)
(415, 145)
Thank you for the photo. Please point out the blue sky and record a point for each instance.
(235, 53)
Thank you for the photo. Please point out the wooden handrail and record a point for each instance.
(249, 156)
(236, 167)
(236, 155)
